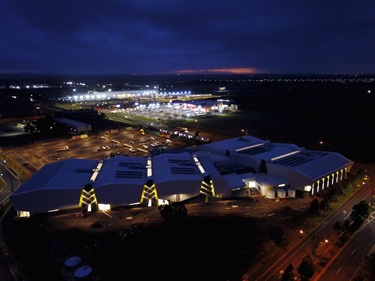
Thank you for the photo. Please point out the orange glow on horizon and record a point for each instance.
(243, 70)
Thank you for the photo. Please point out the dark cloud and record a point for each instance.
(152, 37)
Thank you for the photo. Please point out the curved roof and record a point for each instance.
(121, 179)
(64, 174)
(172, 167)
(122, 170)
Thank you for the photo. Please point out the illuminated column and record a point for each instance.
(88, 201)
(149, 193)
(207, 187)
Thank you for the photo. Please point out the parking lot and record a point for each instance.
(166, 111)
(124, 142)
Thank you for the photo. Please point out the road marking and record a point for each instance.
(347, 216)
(107, 214)
(338, 270)
(353, 251)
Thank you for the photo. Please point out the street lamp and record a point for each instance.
(317, 240)
(244, 131)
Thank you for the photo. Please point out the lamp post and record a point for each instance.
(317, 243)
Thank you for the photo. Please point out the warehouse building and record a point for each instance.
(223, 169)
(75, 127)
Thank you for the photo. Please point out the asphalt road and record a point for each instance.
(347, 263)
(258, 206)
(349, 260)
(311, 241)
(11, 182)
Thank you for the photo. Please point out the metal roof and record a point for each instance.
(64, 174)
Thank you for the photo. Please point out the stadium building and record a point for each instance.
(223, 169)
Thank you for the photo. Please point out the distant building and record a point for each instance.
(217, 170)
(79, 114)
(76, 127)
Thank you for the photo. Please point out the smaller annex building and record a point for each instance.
(280, 165)
(75, 127)
(222, 169)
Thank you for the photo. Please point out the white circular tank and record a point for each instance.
(72, 261)
(291, 193)
(271, 194)
(263, 190)
(82, 272)
(281, 193)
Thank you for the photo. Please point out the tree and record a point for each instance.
(306, 269)
(288, 274)
(173, 212)
(166, 211)
(49, 127)
(321, 253)
(180, 211)
(360, 211)
(332, 194)
(279, 235)
(314, 207)
(324, 204)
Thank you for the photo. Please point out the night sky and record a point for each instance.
(197, 36)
